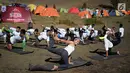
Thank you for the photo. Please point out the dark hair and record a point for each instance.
(46, 6)
(121, 25)
(23, 31)
(54, 6)
(18, 27)
(36, 30)
(52, 28)
(67, 30)
(93, 25)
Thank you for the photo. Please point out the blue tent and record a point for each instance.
(112, 13)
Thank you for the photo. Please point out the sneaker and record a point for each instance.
(105, 58)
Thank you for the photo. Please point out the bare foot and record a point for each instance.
(55, 67)
(118, 53)
(71, 63)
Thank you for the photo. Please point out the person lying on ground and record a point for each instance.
(14, 39)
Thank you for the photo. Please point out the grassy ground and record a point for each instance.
(15, 63)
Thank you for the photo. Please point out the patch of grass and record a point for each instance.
(67, 22)
(93, 21)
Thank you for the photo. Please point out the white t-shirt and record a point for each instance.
(121, 30)
(95, 33)
(107, 43)
(1, 34)
(43, 35)
(13, 29)
(62, 32)
(69, 49)
(30, 31)
(90, 27)
(76, 33)
(15, 33)
(13, 39)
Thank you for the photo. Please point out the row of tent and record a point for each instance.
(83, 13)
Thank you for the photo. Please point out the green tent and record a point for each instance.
(64, 10)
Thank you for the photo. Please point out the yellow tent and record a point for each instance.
(117, 13)
(32, 7)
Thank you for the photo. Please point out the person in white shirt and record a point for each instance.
(17, 32)
(40, 37)
(14, 39)
(1, 33)
(64, 53)
(91, 27)
(109, 45)
(121, 30)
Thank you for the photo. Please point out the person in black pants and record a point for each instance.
(64, 53)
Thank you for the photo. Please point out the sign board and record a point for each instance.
(16, 14)
(121, 6)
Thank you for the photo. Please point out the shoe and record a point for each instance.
(105, 58)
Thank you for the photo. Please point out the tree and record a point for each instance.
(115, 3)
(84, 5)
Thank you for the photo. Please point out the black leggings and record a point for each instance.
(62, 52)
(115, 42)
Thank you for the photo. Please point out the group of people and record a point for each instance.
(70, 36)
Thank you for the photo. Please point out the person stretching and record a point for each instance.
(64, 53)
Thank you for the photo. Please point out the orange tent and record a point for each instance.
(74, 10)
(125, 12)
(105, 13)
(39, 9)
(129, 12)
(50, 12)
(84, 14)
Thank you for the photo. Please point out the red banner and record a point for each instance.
(16, 14)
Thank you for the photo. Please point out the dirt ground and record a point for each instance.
(14, 63)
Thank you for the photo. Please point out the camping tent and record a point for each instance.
(64, 10)
(112, 13)
(16, 14)
(118, 13)
(128, 12)
(32, 7)
(49, 12)
(125, 12)
(74, 10)
(39, 9)
(105, 13)
(84, 14)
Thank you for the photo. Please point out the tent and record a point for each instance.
(125, 12)
(64, 10)
(16, 14)
(49, 12)
(32, 7)
(84, 14)
(105, 13)
(74, 10)
(39, 9)
(128, 12)
(112, 13)
(118, 13)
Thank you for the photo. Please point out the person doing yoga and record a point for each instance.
(64, 53)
